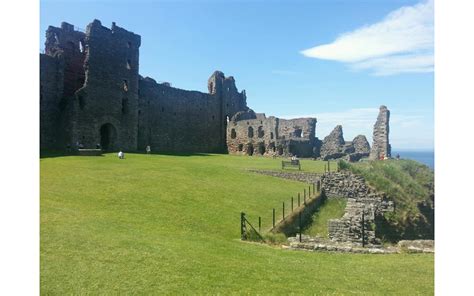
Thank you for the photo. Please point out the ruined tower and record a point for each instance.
(381, 146)
(105, 107)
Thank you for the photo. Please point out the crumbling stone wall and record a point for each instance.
(361, 199)
(51, 85)
(92, 94)
(334, 146)
(381, 146)
(105, 108)
(253, 133)
(172, 119)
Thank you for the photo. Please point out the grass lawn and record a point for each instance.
(154, 224)
(333, 208)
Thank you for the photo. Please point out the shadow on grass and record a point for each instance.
(62, 153)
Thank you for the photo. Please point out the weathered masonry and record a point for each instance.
(91, 93)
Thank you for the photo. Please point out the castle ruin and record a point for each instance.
(91, 93)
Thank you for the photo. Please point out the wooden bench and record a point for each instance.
(89, 152)
(291, 163)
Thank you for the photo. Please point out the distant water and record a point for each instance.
(426, 157)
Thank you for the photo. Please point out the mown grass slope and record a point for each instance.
(160, 224)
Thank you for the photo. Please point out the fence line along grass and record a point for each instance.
(163, 224)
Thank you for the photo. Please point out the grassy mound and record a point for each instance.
(332, 208)
(410, 184)
(163, 224)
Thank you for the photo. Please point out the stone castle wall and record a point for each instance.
(253, 133)
(91, 93)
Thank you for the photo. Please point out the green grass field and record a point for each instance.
(161, 224)
(332, 208)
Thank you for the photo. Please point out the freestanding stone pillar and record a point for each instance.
(381, 146)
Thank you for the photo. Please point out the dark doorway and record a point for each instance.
(250, 149)
(108, 136)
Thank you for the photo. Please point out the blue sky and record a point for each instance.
(335, 60)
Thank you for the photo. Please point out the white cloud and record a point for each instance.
(407, 131)
(402, 42)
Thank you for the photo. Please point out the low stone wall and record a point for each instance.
(364, 204)
(310, 178)
(308, 243)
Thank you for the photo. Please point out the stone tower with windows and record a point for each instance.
(105, 108)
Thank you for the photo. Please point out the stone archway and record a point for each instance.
(108, 137)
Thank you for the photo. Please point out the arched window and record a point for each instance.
(250, 133)
(233, 134)
(260, 132)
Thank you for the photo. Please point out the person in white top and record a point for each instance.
(121, 155)
(148, 149)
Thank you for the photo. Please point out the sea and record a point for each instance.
(425, 157)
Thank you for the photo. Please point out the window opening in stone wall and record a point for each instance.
(271, 135)
(227, 119)
(272, 147)
(250, 133)
(261, 148)
(124, 106)
(213, 117)
(139, 112)
(280, 150)
(125, 85)
(298, 133)
(162, 109)
(250, 149)
(174, 113)
(233, 134)
(260, 132)
(129, 44)
(56, 38)
(129, 65)
(240, 147)
(81, 46)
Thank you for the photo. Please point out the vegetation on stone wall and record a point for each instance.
(410, 185)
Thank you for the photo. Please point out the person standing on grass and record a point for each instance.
(121, 155)
(148, 149)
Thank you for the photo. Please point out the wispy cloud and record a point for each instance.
(402, 42)
(408, 130)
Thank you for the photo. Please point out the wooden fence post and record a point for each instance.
(329, 166)
(299, 199)
(292, 203)
(363, 230)
(259, 223)
(299, 222)
(242, 226)
(273, 217)
(283, 211)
